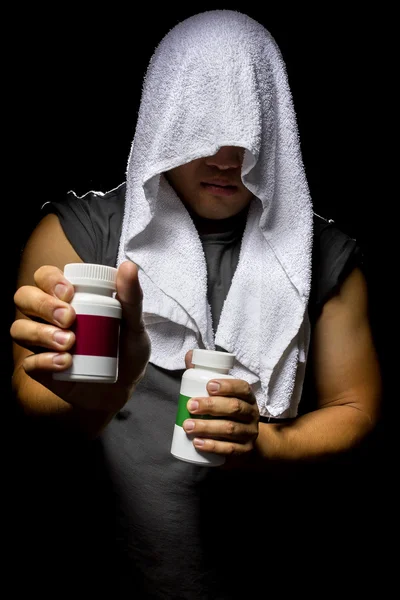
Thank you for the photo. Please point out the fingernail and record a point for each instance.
(62, 337)
(213, 386)
(59, 315)
(189, 425)
(193, 405)
(60, 359)
(198, 442)
(61, 290)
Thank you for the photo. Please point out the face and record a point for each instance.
(211, 187)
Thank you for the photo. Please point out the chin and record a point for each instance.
(216, 215)
(215, 208)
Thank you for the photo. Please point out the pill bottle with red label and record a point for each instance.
(97, 324)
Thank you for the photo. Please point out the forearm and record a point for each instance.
(38, 404)
(320, 434)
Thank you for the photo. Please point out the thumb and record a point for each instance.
(130, 294)
(188, 359)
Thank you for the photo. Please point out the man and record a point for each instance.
(217, 246)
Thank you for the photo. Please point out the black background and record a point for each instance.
(74, 84)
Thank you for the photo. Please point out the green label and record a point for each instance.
(182, 413)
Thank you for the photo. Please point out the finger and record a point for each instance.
(34, 302)
(221, 429)
(41, 368)
(188, 359)
(129, 293)
(219, 406)
(52, 281)
(238, 388)
(31, 334)
(36, 365)
(223, 447)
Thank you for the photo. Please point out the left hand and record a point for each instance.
(234, 430)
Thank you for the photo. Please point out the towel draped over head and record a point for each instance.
(218, 79)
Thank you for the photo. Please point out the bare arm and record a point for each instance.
(348, 383)
(86, 407)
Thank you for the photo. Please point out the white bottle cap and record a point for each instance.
(89, 274)
(213, 358)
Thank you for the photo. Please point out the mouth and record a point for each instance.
(219, 187)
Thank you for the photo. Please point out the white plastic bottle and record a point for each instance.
(97, 323)
(208, 364)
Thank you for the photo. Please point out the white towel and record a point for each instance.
(218, 79)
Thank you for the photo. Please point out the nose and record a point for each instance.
(227, 157)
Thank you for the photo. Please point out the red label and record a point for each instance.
(96, 336)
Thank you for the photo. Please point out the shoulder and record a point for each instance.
(92, 202)
(92, 222)
(335, 254)
(327, 233)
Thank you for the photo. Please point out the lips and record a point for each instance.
(219, 183)
(219, 187)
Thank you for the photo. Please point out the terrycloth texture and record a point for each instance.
(218, 79)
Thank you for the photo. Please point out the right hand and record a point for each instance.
(48, 313)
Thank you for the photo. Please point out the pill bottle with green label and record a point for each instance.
(208, 364)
